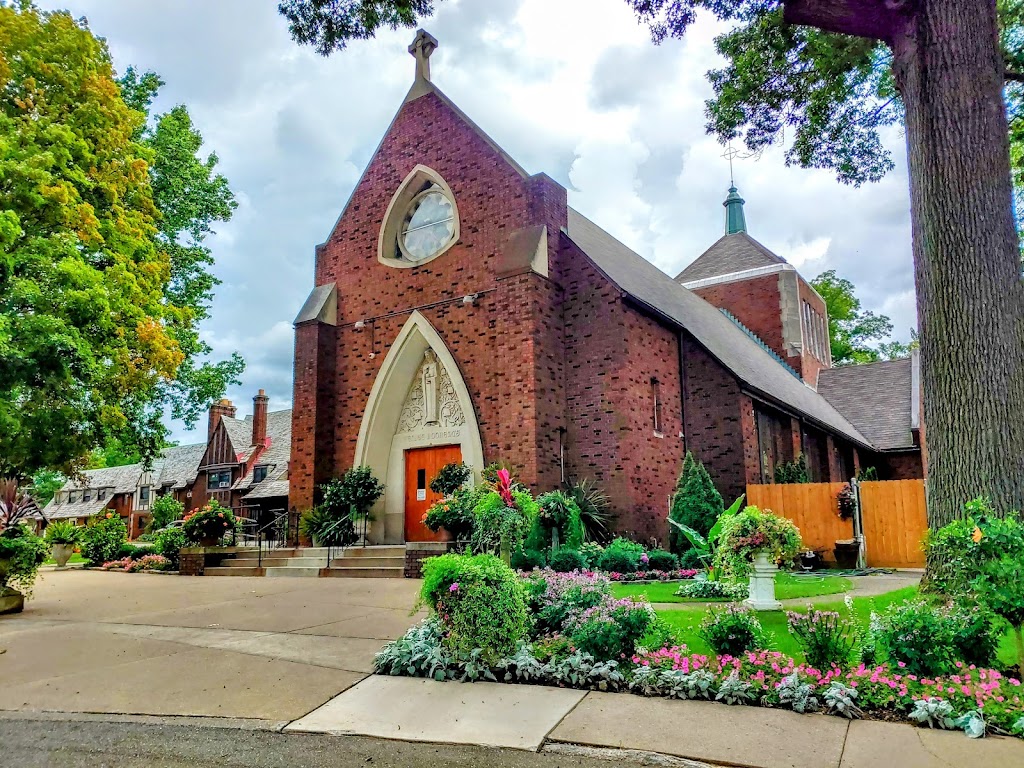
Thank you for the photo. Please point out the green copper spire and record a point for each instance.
(735, 221)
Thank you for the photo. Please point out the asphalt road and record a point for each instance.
(60, 743)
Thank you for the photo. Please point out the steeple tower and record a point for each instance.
(735, 220)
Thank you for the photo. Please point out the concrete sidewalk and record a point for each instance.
(294, 656)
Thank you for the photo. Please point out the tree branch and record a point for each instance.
(1017, 77)
(873, 19)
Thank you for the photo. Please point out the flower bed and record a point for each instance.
(679, 574)
(144, 563)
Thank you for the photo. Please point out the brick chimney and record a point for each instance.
(222, 407)
(259, 418)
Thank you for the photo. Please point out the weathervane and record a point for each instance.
(732, 153)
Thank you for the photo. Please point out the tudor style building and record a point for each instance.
(462, 309)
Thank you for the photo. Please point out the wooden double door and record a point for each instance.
(421, 467)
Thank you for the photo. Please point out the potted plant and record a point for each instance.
(207, 525)
(756, 543)
(21, 551)
(61, 535)
(502, 517)
(452, 517)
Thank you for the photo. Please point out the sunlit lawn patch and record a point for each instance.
(786, 586)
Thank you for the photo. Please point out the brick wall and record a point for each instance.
(417, 552)
(719, 421)
(756, 303)
(191, 562)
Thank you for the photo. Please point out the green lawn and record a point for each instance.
(685, 621)
(75, 558)
(786, 586)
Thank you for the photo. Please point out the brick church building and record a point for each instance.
(462, 309)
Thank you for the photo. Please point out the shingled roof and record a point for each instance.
(876, 397)
(732, 253)
(275, 458)
(178, 465)
(749, 361)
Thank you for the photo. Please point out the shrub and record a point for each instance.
(559, 520)
(691, 558)
(621, 555)
(752, 531)
(732, 630)
(793, 471)
(528, 559)
(696, 503)
(660, 560)
(591, 552)
(131, 551)
(450, 478)
(25, 552)
(827, 639)
(354, 494)
(103, 537)
(612, 628)
(212, 521)
(502, 517)
(62, 532)
(166, 509)
(566, 559)
(169, 542)
(957, 553)
(326, 529)
(705, 589)
(480, 603)
(930, 639)
(594, 510)
(1001, 588)
(555, 599)
(454, 513)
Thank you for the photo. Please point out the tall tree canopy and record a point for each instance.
(103, 277)
(855, 334)
(825, 76)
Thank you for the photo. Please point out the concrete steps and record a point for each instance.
(372, 562)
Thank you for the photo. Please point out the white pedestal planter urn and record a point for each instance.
(762, 585)
(61, 554)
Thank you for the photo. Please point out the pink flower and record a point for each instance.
(454, 587)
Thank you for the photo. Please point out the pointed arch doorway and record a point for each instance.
(419, 413)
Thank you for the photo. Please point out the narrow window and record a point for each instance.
(101, 494)
(73, 497)
(144, 495)
(421, 479)
(259, 474)
(656, 400)
(87, 494)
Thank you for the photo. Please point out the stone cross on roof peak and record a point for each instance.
(422, 46)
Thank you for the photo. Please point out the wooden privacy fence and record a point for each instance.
(893, 511)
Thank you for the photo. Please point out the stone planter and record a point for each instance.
(61, 553)
(11, 600)
(209, 541)
(846, 552)
(443, 534)
(762, 585)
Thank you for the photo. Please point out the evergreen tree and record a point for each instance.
(696, 503)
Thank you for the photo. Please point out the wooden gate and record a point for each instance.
(893, 511)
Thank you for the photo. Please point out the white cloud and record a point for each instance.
(573, 88)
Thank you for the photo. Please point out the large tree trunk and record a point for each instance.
(966, 259)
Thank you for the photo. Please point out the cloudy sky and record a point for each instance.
(573, 88)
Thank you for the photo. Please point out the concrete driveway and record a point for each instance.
(247, 648)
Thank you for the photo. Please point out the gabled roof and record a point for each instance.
(738, 352)
(876, 397)
(178, 465)
(239, 432)
(732, 253)
(275, 457)
(114, 480)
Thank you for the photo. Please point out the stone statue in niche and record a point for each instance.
(432, 400)
(429, 378)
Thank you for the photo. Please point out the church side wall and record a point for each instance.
(612, 352)
(716, 431)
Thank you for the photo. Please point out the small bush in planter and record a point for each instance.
(660, 560)
(209, 523)
(102, 537)
(450, 478)
(621, 556)
(61, 532)
(502, 517)
(21, 554)
(559, 520)
(480, 603)
(168, 543)
(750, 532)
(732, 630)
(454, 513)
(566, 560)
